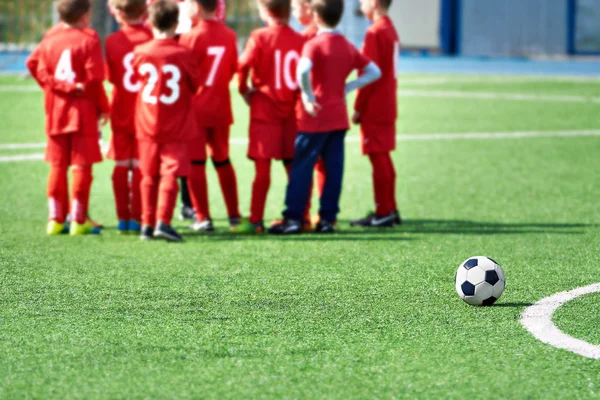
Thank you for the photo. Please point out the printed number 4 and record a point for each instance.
(172, 83)
(64, 69)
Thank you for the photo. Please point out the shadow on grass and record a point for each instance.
(513, 305)
(340, 235)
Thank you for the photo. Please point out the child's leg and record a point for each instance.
(198, 187)
(57, 187)
(149, 192)
(135, 189)
(383, 183)
(260, 189)
(321, 176)
(80, 189)
(218, 142)
(186, 198)
(167, 198)
(120, 182)
(308, 146)
(333, 157)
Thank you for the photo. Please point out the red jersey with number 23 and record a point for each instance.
(119, 62)
(333, 58)
(169, 80)
(214, 51)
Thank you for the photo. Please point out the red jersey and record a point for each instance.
(333, 58)
(169, 80)
(66, 57)
(272, 55)
(119, 62)
(214, 51)
(377, 102)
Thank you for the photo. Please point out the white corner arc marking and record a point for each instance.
(537, 319)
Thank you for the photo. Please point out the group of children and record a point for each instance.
(171, 110)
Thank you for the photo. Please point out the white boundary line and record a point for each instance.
(460, 94)
(537, 319)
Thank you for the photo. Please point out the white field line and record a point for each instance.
(459, 94)
(495, 79)
(537, 319)
(355, 139)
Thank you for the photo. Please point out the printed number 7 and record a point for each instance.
(217, 52)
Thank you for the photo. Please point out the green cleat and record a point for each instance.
(55, 228)
(247, 227)
(84, 229)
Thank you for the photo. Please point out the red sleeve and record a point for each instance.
(108, 63)
(369, 52)
(32, 65)
(234, 60)
(246, 62)
(309, 51)
(94, 71)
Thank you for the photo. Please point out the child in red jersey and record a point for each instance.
(376, 112)
(214, 49)
(130, 15)
(327, 61)
(164, 124)
(271, 55)
(69, 67)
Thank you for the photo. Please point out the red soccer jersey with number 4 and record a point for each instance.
(377, 102)
(272, 55)
(119, 61)
(169, 80)
(66, 57)
(214, 52)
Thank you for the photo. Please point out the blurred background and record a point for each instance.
(475, 28)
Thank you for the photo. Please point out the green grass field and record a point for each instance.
(359, 314)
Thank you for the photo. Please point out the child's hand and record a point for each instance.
(248, 95)
(103, 119)
(356, 118)
(312, 107)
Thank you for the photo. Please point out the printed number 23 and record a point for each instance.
(172, 83)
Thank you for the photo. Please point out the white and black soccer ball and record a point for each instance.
(480, 281)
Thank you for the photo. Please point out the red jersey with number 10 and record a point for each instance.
(119, 62)
(272, 54)
(214, 51)
(169, 80)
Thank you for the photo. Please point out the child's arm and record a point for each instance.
(38, 70)
(370, 74)
(309, 101)
(245, 64)
(94, 87)
(370, 50)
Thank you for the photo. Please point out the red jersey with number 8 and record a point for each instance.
(214, 52)
(168, 81)
(119, 61)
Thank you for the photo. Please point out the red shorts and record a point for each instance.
(217, 141)
(272, 140)
(73, 149)
(376, 138)
(123, 146)
(164, 159)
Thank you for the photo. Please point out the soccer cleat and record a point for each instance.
(134, 226)
(147, 233)
(307, 225)
(123, 227)
(387, 221)
(249, 227)
(325, 227)
(86, 228)
(187, 214)
(94, 223)
(206, 225)
(398, 219)
(167, 232)
(55, 228)
(234, 222)
(286, 227)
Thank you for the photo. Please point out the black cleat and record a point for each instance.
(286, 227)
(206, 225)
(398, 219)
(147, 233)
(325, 227)
(187, 214)
(164, 231)
(366, 221)
(377, 221)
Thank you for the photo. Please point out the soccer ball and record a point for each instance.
(480, 281)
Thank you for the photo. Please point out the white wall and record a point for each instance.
(417, 22)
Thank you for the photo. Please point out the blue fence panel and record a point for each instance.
(587, 27)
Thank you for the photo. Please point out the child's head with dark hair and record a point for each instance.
(374, 8)
(74, 11)
(202, 9)
(328, 12)
(125, 10)
(277, 9)
(164, 15)
(302, 11)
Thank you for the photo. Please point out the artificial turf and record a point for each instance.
(357, 314)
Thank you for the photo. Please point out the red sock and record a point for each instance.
(383, 183)
(149, 191)
(136, 196)
(321, 176)
(167, 198)
(57, 186)
(120, 180)
(80, 189)
(228, 184)
(198, 188)
(260, 189)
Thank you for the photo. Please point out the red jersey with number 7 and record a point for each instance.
(272, 55)
(119, 48)
(214, 51)
(169, 81)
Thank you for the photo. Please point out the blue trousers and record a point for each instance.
(308, 148)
